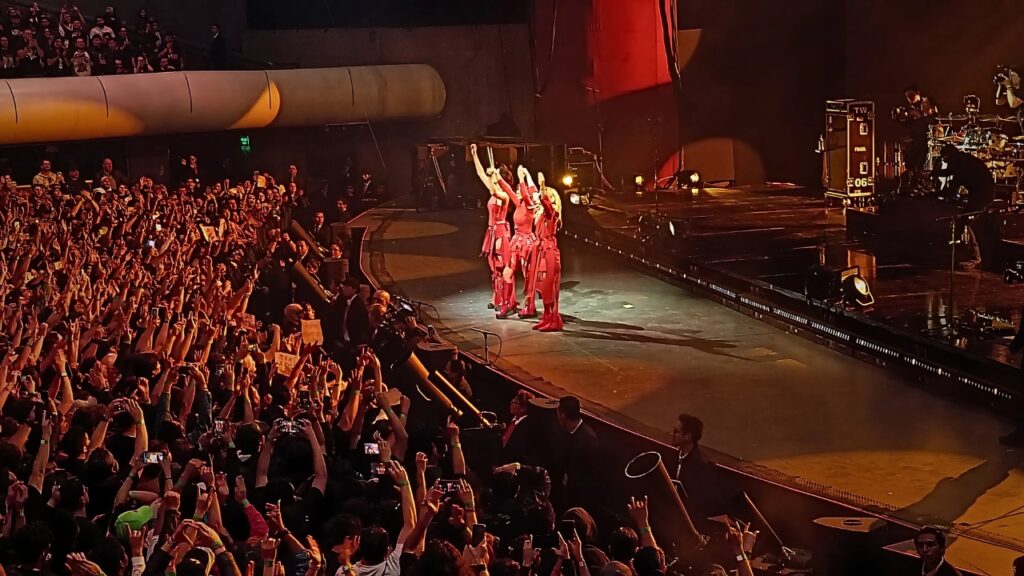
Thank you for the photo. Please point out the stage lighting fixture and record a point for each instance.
(638, 180)
(567, 180)
(856, 291)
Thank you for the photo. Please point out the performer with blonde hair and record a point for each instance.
(549, 259)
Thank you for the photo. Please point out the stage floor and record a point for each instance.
(640, 351)
(775, 234)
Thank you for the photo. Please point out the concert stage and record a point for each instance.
(639, 351)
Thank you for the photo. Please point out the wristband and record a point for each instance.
(216, 545)
(456, 445)
(43, 442)
(269, 563)
(403, 484)
(245, 503)
(645, 530)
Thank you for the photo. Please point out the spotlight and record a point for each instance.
(567, 180)
(689, 180)
(574, 198)
(579, 197)
(638, 180)
(856, 291)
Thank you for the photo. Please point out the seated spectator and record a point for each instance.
(107, 170)
(46, 176)
(100, 29)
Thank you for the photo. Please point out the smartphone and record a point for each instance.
(154, 312)
(567, 528)
(479, 531)
(304, 401)
(218, 426)
(152, 457)
(371, 448)
(150, 243)
(448, 486)
(201, 487)
(288, 426)
(378, 468)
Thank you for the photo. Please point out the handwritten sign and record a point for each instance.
(285, 362)
(249, 322)
(312, 332)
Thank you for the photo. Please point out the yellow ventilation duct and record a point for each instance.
(36, 110)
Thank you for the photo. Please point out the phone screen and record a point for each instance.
(378, 469)
(371, 448)
(567, 528)
(479, 531)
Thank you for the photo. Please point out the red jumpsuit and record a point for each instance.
(497, 248)
(524, 248)
(549, 266)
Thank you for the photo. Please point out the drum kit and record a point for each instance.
(985, 137)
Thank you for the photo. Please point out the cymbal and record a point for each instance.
(993, 118)
(954, 117)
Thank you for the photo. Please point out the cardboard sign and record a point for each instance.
(249, 322)
(209, 233)
(285, 362)
(312, 332)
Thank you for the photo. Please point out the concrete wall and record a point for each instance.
(485, 69)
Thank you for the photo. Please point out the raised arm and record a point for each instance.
(480, 172)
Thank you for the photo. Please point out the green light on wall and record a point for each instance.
(243, 142)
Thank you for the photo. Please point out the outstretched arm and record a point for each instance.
(480, 172)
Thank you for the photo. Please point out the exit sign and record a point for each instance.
(244, 143)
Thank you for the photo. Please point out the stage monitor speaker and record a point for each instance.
(849, 149)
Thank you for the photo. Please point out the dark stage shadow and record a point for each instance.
(952, 497)
(706, 345)
(599, 325)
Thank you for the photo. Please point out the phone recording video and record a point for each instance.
(288, 426)
(371, 448)
(378, 468)
(152, 457)
(448, 486)
(218, 427)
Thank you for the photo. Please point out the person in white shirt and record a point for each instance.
(100, 29)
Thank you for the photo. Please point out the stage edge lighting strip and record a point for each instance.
(797, 319)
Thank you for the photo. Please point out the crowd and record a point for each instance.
(171, 406)
(35, 42)
(165, 409)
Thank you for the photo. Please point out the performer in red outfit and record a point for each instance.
(496, 244)
(524, 244)
(549, 259)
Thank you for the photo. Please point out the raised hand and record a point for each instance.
(638, 511)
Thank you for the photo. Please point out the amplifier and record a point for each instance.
(849, 150)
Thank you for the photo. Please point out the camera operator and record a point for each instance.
(1008, 92)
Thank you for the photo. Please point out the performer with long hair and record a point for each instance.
(524, 243)
(496, 246)
(549, 260)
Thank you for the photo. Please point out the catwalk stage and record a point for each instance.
(639, 351)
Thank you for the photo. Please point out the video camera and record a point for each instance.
(1002, 74)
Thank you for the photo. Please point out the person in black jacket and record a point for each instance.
(354, 317)
(576, 469)
(518, 441)
(697, 476)
(930, 543)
